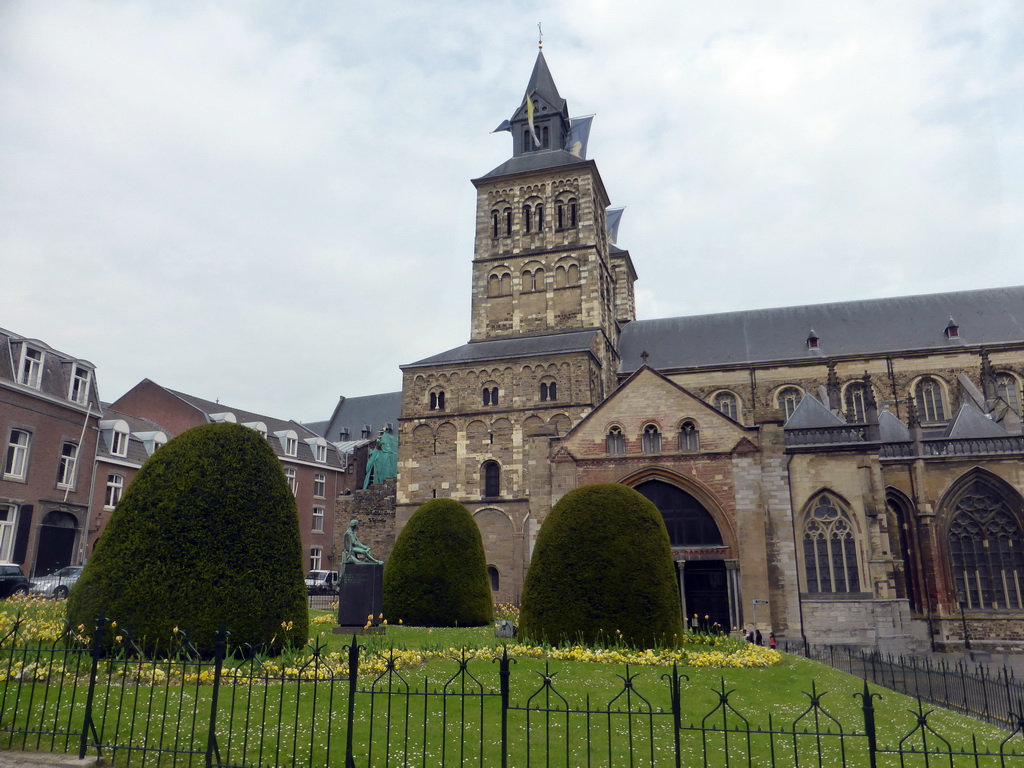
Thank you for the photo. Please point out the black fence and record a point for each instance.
(323, 709)
(986, 692)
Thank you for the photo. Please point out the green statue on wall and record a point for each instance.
(353, 548)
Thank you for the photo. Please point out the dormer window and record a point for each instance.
(812, 340)
(366, 432)
(952, 329)
(115, 432)
(80, 379)
(31, 371)
(289, 442)
(259, 426)
(319, 448)
(223, 418)
(343, 435)
(151, 441)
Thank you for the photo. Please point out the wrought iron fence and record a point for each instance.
(989, 693)
(324, 709)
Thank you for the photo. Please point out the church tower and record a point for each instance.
(551, 292)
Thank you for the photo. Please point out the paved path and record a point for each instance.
(10, 759)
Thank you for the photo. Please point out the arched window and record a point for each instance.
(987, 552)
(490, 395)
(494, 285)
(527, 219)
(830, 549)
(1008, 388)
(548, 391)
(725, 402)
(651, 439)
(505, 288)
(689, 437)
(789, 399)
(508, 222)
(492, 573)
(437, 400)
(615, 441)
(854, 400)
(539, 211)
(572, 275)
(494, 223)
(929, 400)
(492, 479)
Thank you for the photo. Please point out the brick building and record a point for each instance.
(313, 466)
(49, 418)
(844, 472)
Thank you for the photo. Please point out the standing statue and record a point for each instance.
(353, 548)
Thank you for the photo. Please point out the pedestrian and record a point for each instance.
(748, 636)
(771, 640)
(758, 638)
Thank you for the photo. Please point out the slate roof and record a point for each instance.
(970, 422)
(517, 346)
(56, 370)
(352, 413)
(810, 413)
(137, 453)
(535, 161)
(988, 316)
(891, 429)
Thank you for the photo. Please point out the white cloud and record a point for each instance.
(270, 204)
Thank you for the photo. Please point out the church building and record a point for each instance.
(846, 472)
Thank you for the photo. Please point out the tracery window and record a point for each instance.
(689, 437)
(651, 439)
(987, 552)
(615, 441)
(854, 400)
(725, 402)
(929, 400)
(1008, 388)
(789, 399)
(830, 549)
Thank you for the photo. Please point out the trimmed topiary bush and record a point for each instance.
(436, 575)
(206, 536)
(602, 566)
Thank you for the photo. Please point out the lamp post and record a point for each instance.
(963, 620)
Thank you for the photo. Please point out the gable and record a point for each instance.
(646, 398)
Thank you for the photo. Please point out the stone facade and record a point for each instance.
(827, 489)
(374, 508)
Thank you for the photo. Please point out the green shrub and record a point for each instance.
(602, 572)
(206, 536)
(436, 575)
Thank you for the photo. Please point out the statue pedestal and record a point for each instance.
(360, 589)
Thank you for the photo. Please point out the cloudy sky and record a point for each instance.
(269, 202)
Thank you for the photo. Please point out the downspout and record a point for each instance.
(917, 559)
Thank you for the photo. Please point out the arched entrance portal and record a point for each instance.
(57, 535)
(708, 583)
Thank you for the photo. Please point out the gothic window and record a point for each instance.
(725, 402)
(490, 395)
(830, 549)
(492, 479)
(548, 391)
(1008, 388)
(437, 400)
(854, 399)
(987, 551)
(929, 400)
(789, 399)
(651, 439)
(615, 442)
(689, 437)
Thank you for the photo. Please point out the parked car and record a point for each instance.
(322, 582)
(57, 584)
(12, 580)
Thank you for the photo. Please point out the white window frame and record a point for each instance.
(290, 476)
(319, 485)
(8, 526)
(17, 455)
(118, 443)
(115, 490)
(30, 371)
(316, 558)
(67, 469)
(319, 514)
(81, 380)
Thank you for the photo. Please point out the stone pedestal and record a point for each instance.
(359, 596)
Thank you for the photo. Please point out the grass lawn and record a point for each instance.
(277, 712)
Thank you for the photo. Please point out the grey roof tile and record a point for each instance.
(870, 326)
(970, 422)
(352, 413)
(534, 161)
(516, 346)
(891, 429)
(810, 413)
